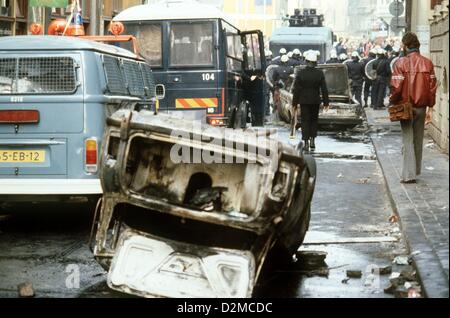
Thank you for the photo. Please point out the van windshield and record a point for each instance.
(37, 75)
(191, 44)
(149, 36)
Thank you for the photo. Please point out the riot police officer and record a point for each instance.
(280, 75)
(333, 58)
(342, 58)
(356, 75)
(277, 60)
(297, 58)
(368, 83)
(383, 68)
(309, 84)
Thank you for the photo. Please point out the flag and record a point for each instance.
(49, 3)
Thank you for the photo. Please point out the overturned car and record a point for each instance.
(191, 210)
(343, 113)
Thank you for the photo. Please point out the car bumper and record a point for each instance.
(50, 187)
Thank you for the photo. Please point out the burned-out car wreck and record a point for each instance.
(343, 113)
(193, 211)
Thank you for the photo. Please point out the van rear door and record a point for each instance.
(41, 107)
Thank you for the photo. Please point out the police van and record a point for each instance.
(55, 95)
(204, 61)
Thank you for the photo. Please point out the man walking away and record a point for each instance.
(356, 75)
(414, 80)
(308, 85)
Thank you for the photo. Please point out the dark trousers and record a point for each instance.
(357, 92)
(367, 88)
(374, 93)
(310, 121)
(381, 92)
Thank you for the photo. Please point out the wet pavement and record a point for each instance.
(48, 245)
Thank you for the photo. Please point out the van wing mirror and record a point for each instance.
(160, 91)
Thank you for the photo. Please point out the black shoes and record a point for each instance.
(313, 144)
(408, 181)
(306, 145)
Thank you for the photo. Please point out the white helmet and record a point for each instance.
(311, 56)
(284, 59)
(343, 57)
(283, 51)
(290, 55)
(269, 53)
(333, 54)
(381, 51)
(355, 54)
(297, 52)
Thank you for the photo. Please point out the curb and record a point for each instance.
(430, 273)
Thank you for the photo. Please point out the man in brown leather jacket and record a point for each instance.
(414, 80)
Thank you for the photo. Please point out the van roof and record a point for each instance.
(57, 43)
(170, 10)
(301, 35)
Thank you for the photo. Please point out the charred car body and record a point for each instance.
(343, 113)
(172, 225)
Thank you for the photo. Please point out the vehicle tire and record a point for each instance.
(312, 165)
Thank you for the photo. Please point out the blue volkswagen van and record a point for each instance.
(55, 96)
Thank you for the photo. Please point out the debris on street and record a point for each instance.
(312, 259)
(354, 273)
(386, 270)
(402, 260)
(26, 290)
(393, 219)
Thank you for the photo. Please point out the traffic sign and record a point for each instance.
(397, 8)
(398, 24)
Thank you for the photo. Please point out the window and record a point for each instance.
(149, 37)
(191, 44)
(43, 75)
(128, 77)
(149, 80)
(133, 77)
(253, 52)
(114, 76)
(234, 52)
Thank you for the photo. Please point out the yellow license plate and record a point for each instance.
(22, 156)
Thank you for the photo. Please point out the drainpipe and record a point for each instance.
(94, 19)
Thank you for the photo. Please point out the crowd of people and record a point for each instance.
(363, 85)
(396, 70)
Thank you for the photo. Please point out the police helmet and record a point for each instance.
(297, 52)
(284, 59)
(310, 56)
(283, 51)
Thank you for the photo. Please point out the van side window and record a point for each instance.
(149, 81)
(114, 78)
(133, 77)
(38, 75)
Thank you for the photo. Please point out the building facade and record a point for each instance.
(439, 38)
(16, 16)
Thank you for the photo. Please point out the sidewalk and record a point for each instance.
(423, 208)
